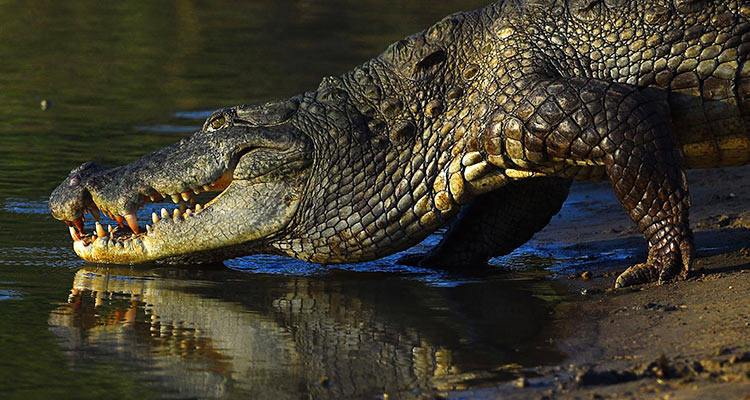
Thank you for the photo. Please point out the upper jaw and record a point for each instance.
(176, 172)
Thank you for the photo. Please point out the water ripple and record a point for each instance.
(200, 114)
(26, 206)
(6, 294)
(62, 257)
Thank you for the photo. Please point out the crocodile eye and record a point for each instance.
(218, 122)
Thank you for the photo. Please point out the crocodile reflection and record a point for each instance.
(212, 334)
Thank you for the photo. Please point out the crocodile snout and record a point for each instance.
(70, 198)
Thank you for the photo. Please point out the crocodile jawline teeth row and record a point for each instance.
(128, 223)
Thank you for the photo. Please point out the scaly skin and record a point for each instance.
(373, 161)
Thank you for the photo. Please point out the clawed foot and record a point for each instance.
(662, 266)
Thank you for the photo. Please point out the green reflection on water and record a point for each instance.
(33, 365)
(109, 67)
(119, 77)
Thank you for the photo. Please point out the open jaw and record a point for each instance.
(128, 238)
(257, 185)
(192, 228)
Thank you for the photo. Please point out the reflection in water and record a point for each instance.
(211, 334)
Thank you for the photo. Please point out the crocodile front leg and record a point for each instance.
(498, 222)
(589, 129)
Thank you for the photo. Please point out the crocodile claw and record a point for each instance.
(661, 269)
(636, 275)
(647, 273)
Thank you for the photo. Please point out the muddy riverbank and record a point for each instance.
(686, 340)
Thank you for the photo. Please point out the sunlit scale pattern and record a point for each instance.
(692, 53)
(628, 91)
(464, 120)
(418, 168)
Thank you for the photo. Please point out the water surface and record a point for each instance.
(208, 334)
(110, 81)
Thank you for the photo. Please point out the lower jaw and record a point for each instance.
(106, 254)
(103, 250)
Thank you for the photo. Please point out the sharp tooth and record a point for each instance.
(198, 207)
(183, 207)
(132, 222)
(95, 213)
(120, 221)
(188, 212)
(196, 190)
(74, 234)
(164, 213)
(149, 229)
(177, 213)
(154, 217)
(175, 198)
(109, 228)
(100, 230)
(185, 196)
(79, 224)
(206, 188)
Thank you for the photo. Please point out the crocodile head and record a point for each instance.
(253, 157)
(366, 165)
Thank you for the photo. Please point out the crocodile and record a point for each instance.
(479, 124)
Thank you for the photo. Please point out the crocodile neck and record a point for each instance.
(408, 119)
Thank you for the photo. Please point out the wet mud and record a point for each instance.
(689, 339)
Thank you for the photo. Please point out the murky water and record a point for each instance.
(109, 81)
